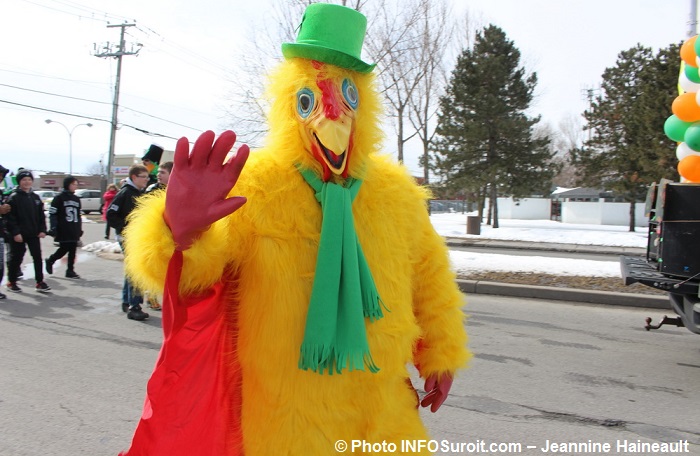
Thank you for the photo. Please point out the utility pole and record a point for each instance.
(118, 51)
(693, 23)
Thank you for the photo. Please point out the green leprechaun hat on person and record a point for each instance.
(331, 34)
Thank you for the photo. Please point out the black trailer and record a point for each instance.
(672, 260)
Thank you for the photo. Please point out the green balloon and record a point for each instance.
(692, 136)
(675, 128)
(691, 73)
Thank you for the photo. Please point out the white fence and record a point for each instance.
(592, 213)
(601, 213)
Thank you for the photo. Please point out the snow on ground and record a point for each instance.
(464, 263)
(103, 247)
(455, 225)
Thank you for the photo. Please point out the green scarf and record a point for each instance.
(343, 292)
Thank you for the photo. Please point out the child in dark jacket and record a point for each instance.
(66, 226)
(27, 226)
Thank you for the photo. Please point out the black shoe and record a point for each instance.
(135, 313)
(125, 307)
(72, 275)
(42, 287)
(12, 286)
(49, 266)
(2, 296)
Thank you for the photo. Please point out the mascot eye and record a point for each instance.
(350, 93)
(305, 102)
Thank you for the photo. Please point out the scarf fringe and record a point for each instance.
(372, 305)
(325, 358)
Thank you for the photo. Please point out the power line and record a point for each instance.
(141, 130)
(40, 75)
(89, 83)
(102, 102)
(91, 13)
(82, 10)
(54, 94)
(52, 110)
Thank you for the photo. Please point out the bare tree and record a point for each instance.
(570, 136)
(406, 39)
(395, 44)
(438, 32)
(95, 168)
(245, 107)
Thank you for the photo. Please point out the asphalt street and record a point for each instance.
(73, 372)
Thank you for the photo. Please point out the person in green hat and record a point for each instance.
(293, 311)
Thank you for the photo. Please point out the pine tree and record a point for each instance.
(485, 143)
(628, 149)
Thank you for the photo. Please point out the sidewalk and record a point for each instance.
(555, 293)
(550, 246)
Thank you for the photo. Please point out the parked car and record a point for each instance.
(46, 197)
(90, 200)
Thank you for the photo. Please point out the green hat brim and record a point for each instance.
(326, 55)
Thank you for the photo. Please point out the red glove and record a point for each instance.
(197, 191)
(437, 391)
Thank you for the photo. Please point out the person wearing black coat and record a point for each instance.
(66, 226)
(27, 226)
(4, 235)
(117, 215)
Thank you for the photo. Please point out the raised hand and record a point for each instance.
(437, 387)
(199, 185)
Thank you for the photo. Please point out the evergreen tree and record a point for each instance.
(484, 140)
(628, 149)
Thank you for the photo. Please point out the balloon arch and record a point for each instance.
(684, 125)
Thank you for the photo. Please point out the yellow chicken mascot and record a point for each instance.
(292, 313)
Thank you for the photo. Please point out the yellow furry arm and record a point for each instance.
(149, 246)
(437, 306)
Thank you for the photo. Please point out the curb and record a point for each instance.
(564, 294)
(540, 246)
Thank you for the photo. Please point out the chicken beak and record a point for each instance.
(332, 138)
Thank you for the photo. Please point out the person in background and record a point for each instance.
(4, 235)
(163, 176)
(107, 198)
(151, 160)
(65, 226)
(27, 226)
(164, 171)
(122, 205)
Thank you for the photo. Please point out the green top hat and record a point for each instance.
(331, 34)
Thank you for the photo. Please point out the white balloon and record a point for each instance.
(683, 151)
(688, 85)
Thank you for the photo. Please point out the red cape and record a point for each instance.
(193, 400)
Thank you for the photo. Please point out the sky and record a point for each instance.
(180, 81)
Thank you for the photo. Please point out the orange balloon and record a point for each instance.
(686, 108)
(689, 168)
(688, 52)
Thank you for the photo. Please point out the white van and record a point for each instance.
(90, 200)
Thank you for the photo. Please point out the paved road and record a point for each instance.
(73, 371)
(546, 370)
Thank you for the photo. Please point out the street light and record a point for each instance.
(70, 140)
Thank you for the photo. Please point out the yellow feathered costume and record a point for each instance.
(264, 255)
